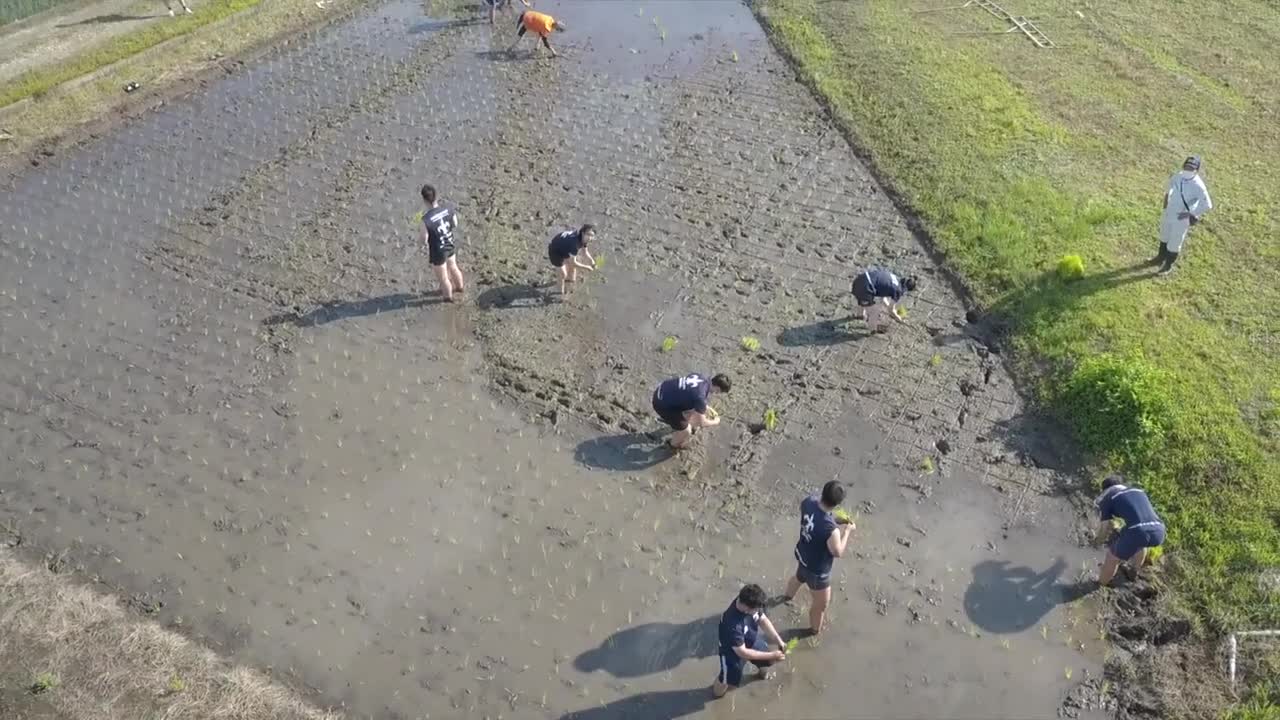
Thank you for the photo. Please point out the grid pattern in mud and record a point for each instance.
(230, 393)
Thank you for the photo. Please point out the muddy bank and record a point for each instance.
(232, 396)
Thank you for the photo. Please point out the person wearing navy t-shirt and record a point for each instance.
(563, 253)
(823, 538)
(1142, 529)
(681, 402)
(877, 290)
(438, 226)
(741, 641)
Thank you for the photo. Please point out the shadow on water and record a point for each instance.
(106, 19)
(651, 648)
(428, 26)
(1006, 598)
(524, 295)
(507, 56)
(660, 705)
(627, 452)
(826, 332)
(342, 309)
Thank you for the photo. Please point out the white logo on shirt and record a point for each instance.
(690, 381)
(806, 527)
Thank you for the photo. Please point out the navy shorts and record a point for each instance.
(862, 291)
(813, 580)
(439, 255)
(674, 418)
(731, 666)
(1131, 540)
(556, 258)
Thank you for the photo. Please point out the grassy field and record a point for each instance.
(60, 105)
(39, 81)
(1013, 156)
(11, 10)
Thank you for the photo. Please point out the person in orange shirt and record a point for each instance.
(540, 23)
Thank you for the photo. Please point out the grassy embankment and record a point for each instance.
(72, 653)
(14, 10)
(87, 86)
(1014, 155)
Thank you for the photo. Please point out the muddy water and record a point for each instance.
(228, 395)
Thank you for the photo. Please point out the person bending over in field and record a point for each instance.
(495, 5)
(563, 253)
(681, 402)
(879, 291)
(541, 24)
(741, 641)
(438, 225)
(1142, 527)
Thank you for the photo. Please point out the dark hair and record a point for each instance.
(752, 595)
(910, 284)
(721, 382)
(1112, 480)
(428, 193)
(586, 228)
(832, 493)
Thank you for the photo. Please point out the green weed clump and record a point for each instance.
(669, 343)
(1119, 407)
(1070, 267)
(770, 419)
(750, 344)
(44, 682)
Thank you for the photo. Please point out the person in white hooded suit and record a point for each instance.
(1186, 200)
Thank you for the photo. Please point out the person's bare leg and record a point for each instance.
(793, 587)
(571, 272)
(818, 610)
(1109, 567)
(1137, 562)
(446, 288)
(564, 278)
(455, 275)
(719, 689)
(680, 439)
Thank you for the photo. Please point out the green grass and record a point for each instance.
(39, 81)
(11, 10)
(1014, 156)
(44, 682)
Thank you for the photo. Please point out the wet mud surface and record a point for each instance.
(230, 393)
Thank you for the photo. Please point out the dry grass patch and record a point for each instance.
(90, 659)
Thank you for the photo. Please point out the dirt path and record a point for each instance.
(226, 395)
(58, 36)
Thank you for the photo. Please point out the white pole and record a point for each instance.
(1231, 661)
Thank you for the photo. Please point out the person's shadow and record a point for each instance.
(660, 705)
(825, 332)
(1006, 598)
(626, 452)
(510, 297)
(341, 309)
(505, 56)
(651, 648)
(107, 19)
